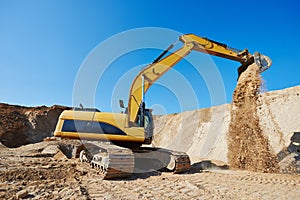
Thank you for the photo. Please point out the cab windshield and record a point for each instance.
(147, 119)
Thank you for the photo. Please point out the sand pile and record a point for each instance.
(248, 147)
(200, 133)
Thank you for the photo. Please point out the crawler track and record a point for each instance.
(182, 160)
(114, 162)
(174, 161)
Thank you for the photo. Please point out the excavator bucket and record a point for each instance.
(264, 63)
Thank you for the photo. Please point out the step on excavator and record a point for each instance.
(114, 143)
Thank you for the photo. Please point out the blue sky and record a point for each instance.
(44, 43)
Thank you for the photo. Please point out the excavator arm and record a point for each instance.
(160, 66)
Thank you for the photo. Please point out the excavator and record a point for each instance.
(114, 143)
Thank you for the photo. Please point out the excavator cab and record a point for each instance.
(148, 126)
(145, 119)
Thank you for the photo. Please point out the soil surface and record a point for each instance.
(38, 172)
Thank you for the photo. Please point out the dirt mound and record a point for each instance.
(33, 174)
(21, 125)
(248, 147)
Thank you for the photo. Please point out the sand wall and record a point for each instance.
(203, 133)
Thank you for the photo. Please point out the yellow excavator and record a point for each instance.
(123, 154)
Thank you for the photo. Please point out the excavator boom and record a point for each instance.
(160, 66)
(149, 75)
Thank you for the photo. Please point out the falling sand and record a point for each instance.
(248, 147)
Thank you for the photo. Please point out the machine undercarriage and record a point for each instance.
(113, 161)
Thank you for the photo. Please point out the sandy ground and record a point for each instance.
(31, 172)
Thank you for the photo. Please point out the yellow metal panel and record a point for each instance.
(104, 137)
(134, 134)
